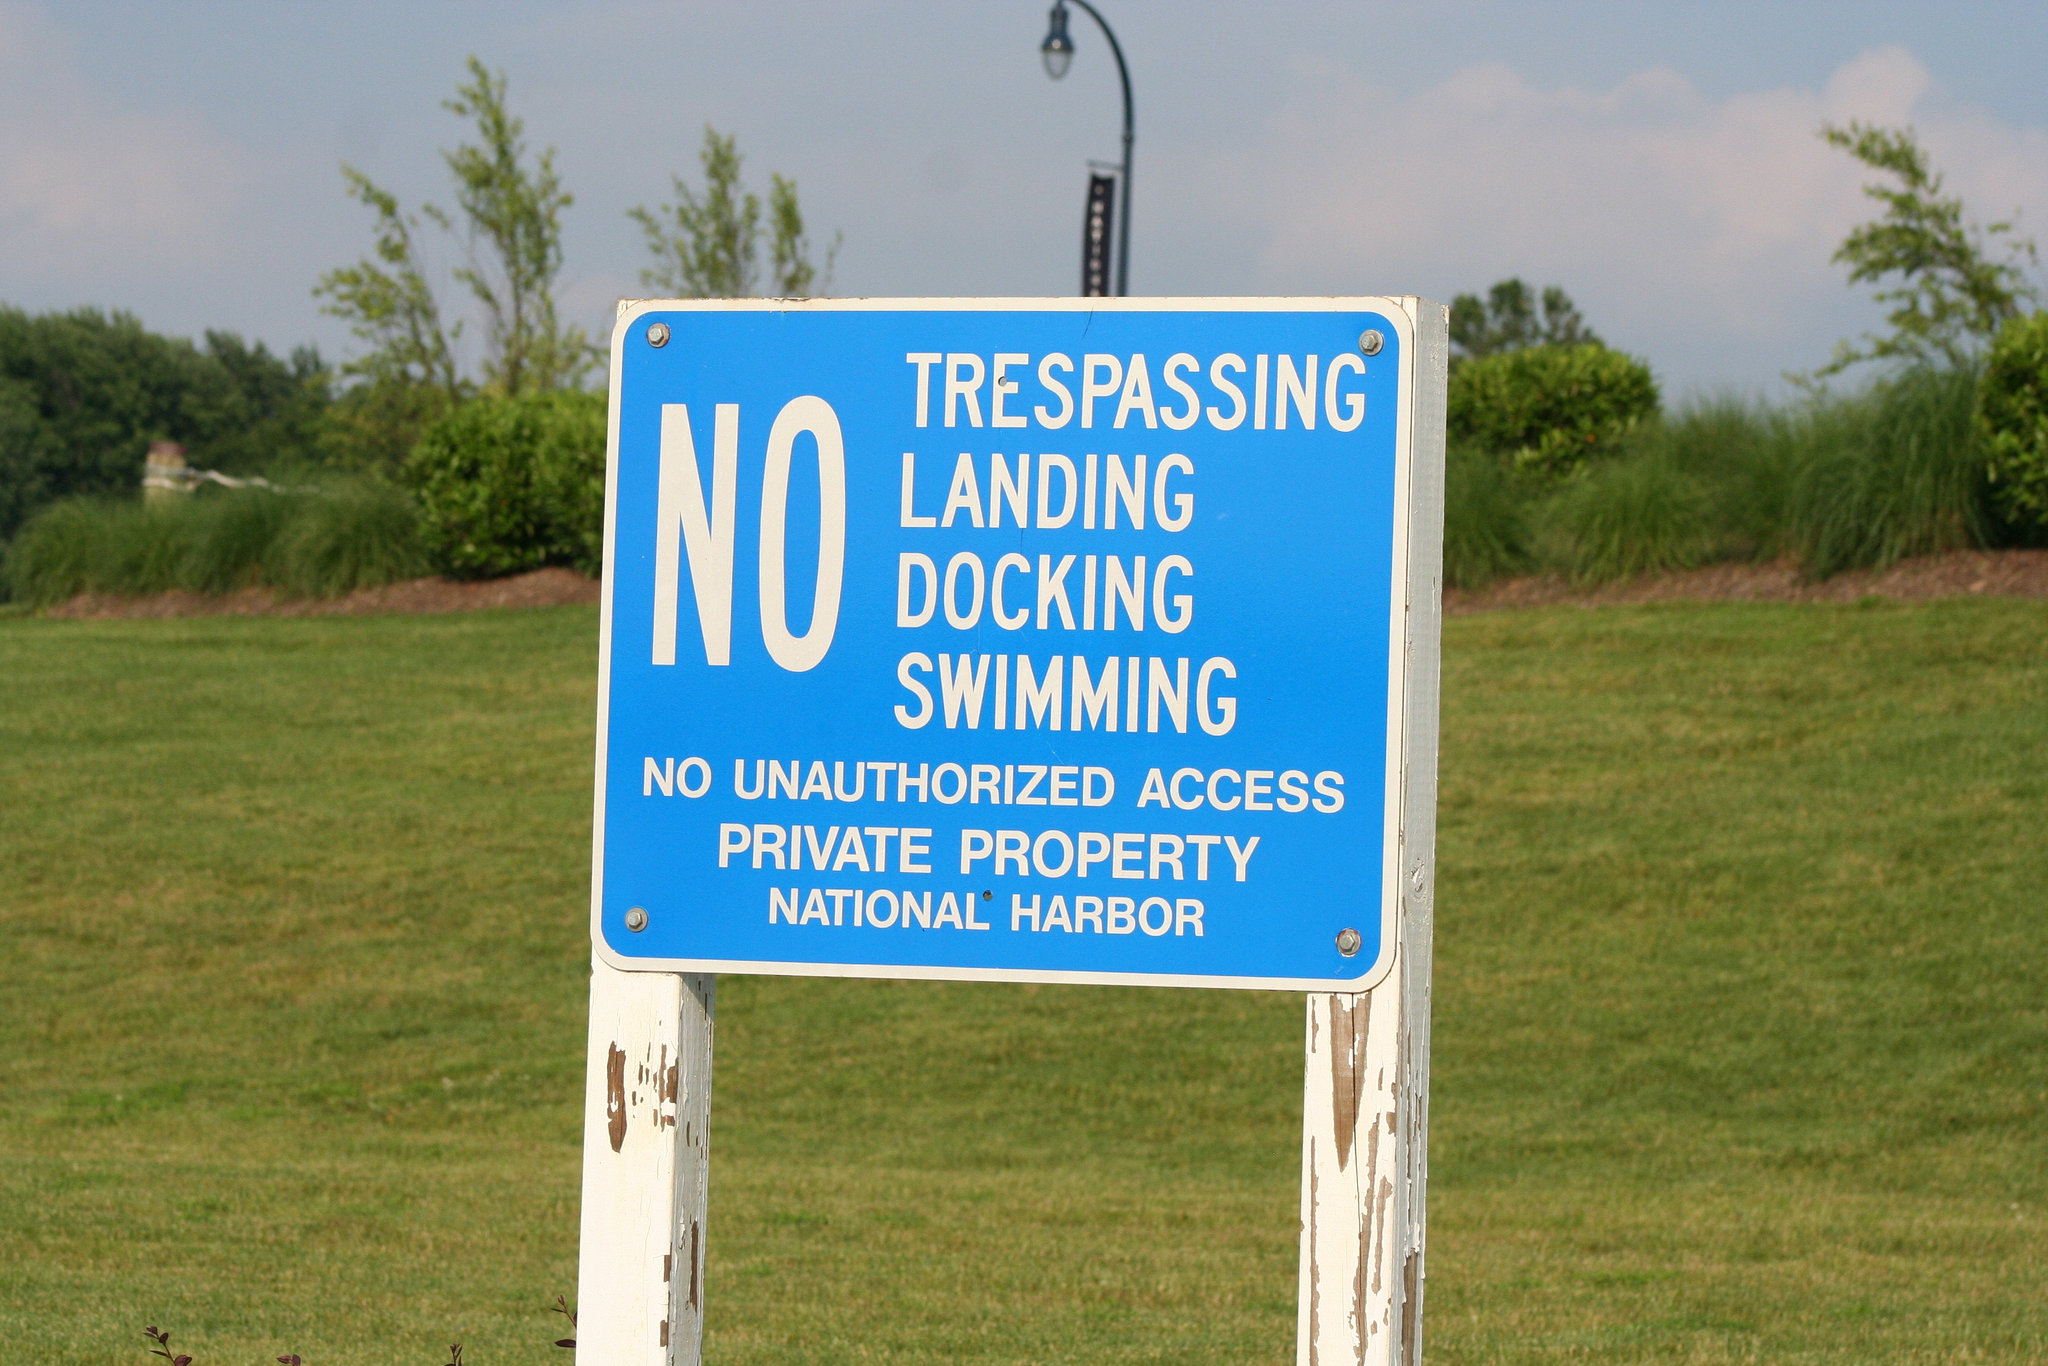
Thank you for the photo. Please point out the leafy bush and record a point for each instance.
(2012, 422)
(1896, 471)
(512, 484)
(1639, 515)
(1486, 520)
(1549, 408)
(313, 544)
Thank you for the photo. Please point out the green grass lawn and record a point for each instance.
(1741, 1023)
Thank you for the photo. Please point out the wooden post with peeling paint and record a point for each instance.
(646, 1168)
(1365, 1106)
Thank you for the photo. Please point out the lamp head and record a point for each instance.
(1058, 48)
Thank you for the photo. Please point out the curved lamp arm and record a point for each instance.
(1058, 49)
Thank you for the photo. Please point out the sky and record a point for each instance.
(1660, 162)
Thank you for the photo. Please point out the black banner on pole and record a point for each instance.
(1095, 236)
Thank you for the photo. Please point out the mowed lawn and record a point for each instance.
(1741, 1023)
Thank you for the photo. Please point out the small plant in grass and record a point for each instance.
(162, 1341)
(2012, 422)
(163, 1347)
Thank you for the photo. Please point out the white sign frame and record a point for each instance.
(1414, 622)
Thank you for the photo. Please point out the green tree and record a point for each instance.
(510, 206)
(517, 210)
(708, 245)
(84, 393)
(1950, 285)
(389, 304)
(1509, 318)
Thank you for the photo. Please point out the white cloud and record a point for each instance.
(1663, 210)
(83, 180)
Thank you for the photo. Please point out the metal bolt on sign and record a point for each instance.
(636, 920)
(1369, 341)
(1348, 941)
(657, 335)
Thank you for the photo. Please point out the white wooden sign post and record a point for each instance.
(1248, 766)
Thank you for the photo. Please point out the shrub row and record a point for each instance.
(496, 487)
(1559, 461)
(348, 537)
(1834, 483)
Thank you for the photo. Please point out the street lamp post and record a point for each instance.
(1058, 51)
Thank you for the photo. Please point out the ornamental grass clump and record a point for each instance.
(358, 535)
(1486, 520)
(345, 536)
(1638, 515)
(230, 536)
(1896, 471)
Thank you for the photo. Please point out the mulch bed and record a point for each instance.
(1993, 573)
(1961, 574)
(541, 588)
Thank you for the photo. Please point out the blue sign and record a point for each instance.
(1042, 640)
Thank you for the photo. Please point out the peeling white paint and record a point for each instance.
(646, 1166)
(1365, 1111)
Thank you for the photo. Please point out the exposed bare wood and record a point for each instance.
(1365, 1112)
(646, 1167)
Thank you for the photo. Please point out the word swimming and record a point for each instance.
(1042, 690)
